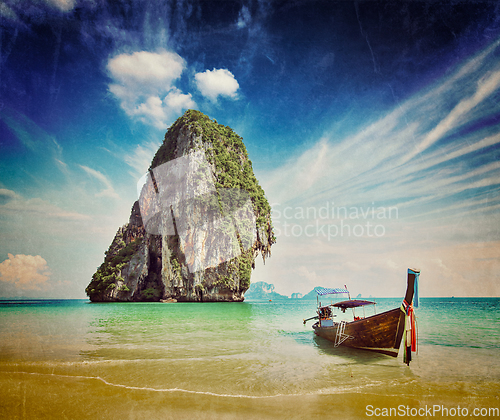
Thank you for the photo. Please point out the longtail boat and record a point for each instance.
(381, 333)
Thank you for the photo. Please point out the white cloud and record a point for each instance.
(177, 101)
(151, 71)
(157, 112)
(152, 108)
(68, 225)
(26, 272)
(217, 82)
(144, 84)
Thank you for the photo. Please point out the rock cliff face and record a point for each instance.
(201, 221)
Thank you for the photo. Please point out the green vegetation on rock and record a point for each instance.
(176, 267)
(225, 150)
(108, 274)
(245, 262)
(151, 294)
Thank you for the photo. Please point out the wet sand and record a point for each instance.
(45, 396)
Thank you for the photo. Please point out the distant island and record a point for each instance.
(261, 290)
(264, 291)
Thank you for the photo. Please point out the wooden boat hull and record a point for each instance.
(381, 333)
(377, 333)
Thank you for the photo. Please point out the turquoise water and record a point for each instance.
(249, 350)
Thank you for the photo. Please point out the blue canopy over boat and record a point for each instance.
(327, 291)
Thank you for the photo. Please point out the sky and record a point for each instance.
(373, 127)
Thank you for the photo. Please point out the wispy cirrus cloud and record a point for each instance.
(435, 158)
(30, 135)
(108, 190)
(62, 5)
(244, 18)
(458, 115)
(140, 157)
(15, 11)
(6, 196)
(12, 203)
(417, 149)
(8, 13)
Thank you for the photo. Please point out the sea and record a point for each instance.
(72, 359)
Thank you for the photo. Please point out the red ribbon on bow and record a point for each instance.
(412, 324)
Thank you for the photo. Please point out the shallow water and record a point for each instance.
(234, 360)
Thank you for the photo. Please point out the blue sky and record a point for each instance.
(374, 128)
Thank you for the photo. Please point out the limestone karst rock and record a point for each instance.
(199, 224)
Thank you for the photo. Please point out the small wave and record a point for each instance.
(111, 362)
(336, 390)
